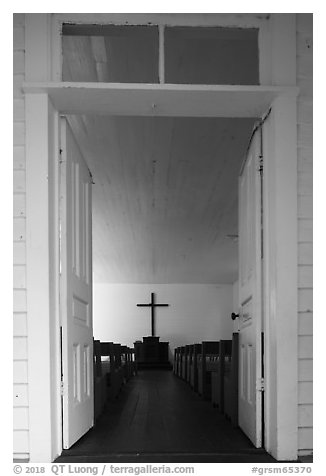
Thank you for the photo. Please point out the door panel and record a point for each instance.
(76, 290)
(250, 303)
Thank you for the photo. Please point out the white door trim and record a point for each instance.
(42, 255)
(280, 277)
(42, 264)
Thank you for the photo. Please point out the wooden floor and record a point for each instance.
(158, 418)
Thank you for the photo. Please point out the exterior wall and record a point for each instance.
(305, 190)
(20, 390)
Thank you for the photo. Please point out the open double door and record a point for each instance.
(76, 291)
(251, 382)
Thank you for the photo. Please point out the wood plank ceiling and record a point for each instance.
(165, 192)
(165, 196)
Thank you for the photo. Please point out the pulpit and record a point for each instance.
(150, 353)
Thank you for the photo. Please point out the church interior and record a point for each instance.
(165, 249)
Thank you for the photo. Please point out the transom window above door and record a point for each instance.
(152, 54)
(110, 53)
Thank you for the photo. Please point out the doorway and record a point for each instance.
(172, 171)
(280, 221)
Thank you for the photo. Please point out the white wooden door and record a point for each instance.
(250, 301)
(76, 290)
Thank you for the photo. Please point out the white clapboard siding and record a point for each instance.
(17, 87)
(305, 347)
(305, 85)
(305, 252)
(304, 24)
(20, 371)
(305, 156)
(305, 415)
(19, 231)
(19, 205)
(305, 204)
(20, 418)
(19, 37)
(20, 395)
(20, 348)
(19, 300)
(19, 182)
(305, 324)
(305, 114)
(19, 277)
(305, 440)
(305, 300)
(20, 324)
(305, 182)
(18, 19)
(20, 374)
(305, 231)
(305, 392)
(305, 137)
(19, 157)
(19, 109)
(19, 62)
(305, 276)
(19, 253)
(19, 133)
(304, 43)
(20, 444)
(305, 369)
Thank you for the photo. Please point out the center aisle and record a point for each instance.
(157, 417)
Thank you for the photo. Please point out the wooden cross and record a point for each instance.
(152, 305)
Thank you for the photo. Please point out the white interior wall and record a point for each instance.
(196, 312)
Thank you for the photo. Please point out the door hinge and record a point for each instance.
(62, 388)
(261, 164)
(91, 177)
(260, 386)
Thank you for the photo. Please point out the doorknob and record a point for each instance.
(234, 316)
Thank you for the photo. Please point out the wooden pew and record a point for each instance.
(132, 362)
(111, 364)
(181, 361)
(194, 367)
(107, 363)
(125, 363)
(218, 374)
(114, 365)
(134, 366)
(100, 381)
(190, 362)
(185, 362)
(231, 374)
(206, 363)
(118, 368)
(176, 360)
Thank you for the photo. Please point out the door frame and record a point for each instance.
(42, 243)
